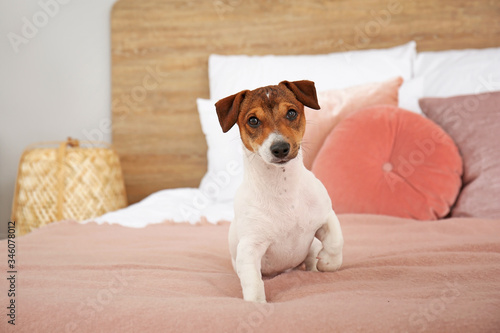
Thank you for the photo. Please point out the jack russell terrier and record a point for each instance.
(283, 214)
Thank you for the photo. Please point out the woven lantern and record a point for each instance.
(66, 180)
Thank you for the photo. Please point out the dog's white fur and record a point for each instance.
(283, 218)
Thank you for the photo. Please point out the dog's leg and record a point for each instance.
(248, 267)
(312, 256)
(330, 235)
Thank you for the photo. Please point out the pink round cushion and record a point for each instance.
(385, 160)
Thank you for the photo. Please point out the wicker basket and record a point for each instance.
(68, 182)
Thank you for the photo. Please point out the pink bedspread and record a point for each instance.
(398, 275)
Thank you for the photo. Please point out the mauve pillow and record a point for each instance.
(386, 160)
(473, 121)
(338, 104)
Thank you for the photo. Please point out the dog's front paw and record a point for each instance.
(255, 299)
(328, 262)
(258, 298)
(255, 293)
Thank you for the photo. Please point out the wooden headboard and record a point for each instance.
(160, 52)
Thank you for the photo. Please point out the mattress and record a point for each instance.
(398, 275)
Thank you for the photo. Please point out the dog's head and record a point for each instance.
(271, 119)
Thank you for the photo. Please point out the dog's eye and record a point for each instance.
(291, 114)
(253, 122)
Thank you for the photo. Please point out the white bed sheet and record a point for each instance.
(177, 205)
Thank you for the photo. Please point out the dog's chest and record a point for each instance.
(292, 215)
(292, 230)
(288, 200)
(291, 212)
(280, 206)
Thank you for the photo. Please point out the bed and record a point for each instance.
(429, 263)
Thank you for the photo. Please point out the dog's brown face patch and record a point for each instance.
(276, 110)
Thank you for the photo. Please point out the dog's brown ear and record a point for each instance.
(304, 91)
(228, 110)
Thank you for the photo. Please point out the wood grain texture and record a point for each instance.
(160, 52)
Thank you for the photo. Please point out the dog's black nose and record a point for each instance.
(280, 149)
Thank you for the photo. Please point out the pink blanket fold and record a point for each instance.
(399, 275)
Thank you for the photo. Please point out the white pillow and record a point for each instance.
(225, 156)
(231, 74)
(459, 72)
(409, 94)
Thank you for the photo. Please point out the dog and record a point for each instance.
(283, 214)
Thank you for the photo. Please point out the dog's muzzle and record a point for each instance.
(280, 149)
(276, 149)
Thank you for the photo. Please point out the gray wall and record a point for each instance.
(54, 79)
